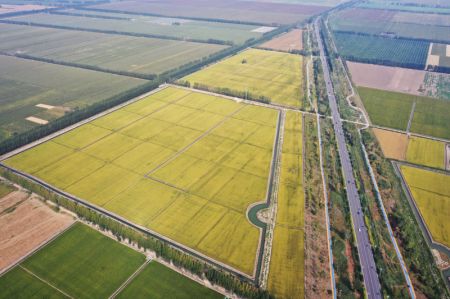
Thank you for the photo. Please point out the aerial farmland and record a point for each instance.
(256, 74)
(257, 149)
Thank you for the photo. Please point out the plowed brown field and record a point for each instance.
(287, 42)
(26, 223)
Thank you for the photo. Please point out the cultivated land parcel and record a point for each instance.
(393, 110)
(83, 263)
(286, 271)
(183, 164)
(257, 74)
(26, 83)
(431, 193)
(108, 51)
(144, 25)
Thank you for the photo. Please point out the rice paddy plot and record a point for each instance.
(24, 84)
(183, 164)
(426, 152)
(393, 110)
(158, 281)
(256, 74)
(431, 193)
(117, 53)
(81, 263)
(286, 271)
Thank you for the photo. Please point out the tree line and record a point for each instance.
(226, 91)
(162, 249)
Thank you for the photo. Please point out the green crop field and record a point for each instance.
(382, 50)
(178, 28)
(181, 163)
(26, 83)
(81, 263)
(274, 75)
(108, 51)
(287, 261)
(431, 192)
(426, 152)
(157, 281)
(392, 110)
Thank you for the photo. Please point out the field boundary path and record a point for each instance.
(272, 202)
(327, 212)
(386, 220)
(365, 254)
(423, 227)
(127, 282)
(44, 281)
(411, 115)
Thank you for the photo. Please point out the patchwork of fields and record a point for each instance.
(237, 10)
(257, 74)
(392, 110)
(110, 52)
(286, 271)
(83, 263)
(382, 50)
(413, 149)
(183, 164)
(432, 27)
(26, 83)
(417, 82)
(439, 56)
(145, 25)
(80, 263)
(25, 223)
(431, 193)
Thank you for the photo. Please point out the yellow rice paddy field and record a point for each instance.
(431, 192)
(426, 152)
(286, 272)
(413, 149)
(183, 164)
(274, 75)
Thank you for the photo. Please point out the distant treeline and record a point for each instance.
(417, 66)
(439, 69)
(226, 91)
(68, 119)
(65, 13)
(194, 40)
(143, 240)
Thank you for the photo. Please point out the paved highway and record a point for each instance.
(367, 261)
